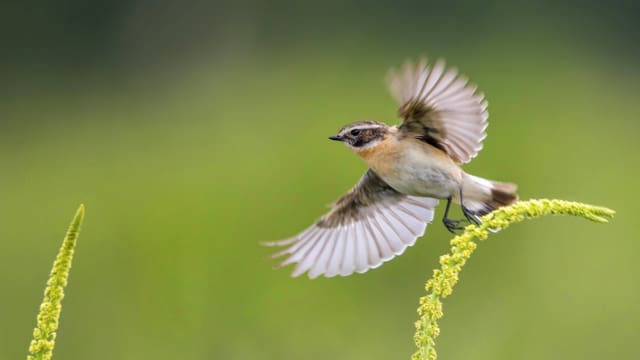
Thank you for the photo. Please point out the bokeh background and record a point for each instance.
(194, 130)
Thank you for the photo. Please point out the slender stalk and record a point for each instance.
(462, 246)
(44, 335)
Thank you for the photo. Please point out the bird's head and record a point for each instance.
(361, 135)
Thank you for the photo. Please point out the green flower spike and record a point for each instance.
(462, 246)
(44, 335)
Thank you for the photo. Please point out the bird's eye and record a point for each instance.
(355, 132)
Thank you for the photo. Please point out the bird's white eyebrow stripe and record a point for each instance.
(360, 128)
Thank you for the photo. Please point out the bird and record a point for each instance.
(411, 167)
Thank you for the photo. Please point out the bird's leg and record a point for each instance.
(467, 213)
(450, 224)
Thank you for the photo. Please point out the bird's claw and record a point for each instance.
(472, 219)
(452, 225)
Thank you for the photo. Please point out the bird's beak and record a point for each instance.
(335, 137)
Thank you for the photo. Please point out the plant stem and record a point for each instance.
(462, 246)
(44, 335)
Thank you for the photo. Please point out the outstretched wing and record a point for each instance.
(369, 225)
(440, 107)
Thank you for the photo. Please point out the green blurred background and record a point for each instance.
(192, 131)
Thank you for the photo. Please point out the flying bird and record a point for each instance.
(411, 167)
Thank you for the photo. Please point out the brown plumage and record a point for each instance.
(411, 166)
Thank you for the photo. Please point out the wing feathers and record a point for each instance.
(370, 225)
(440, 106)
(304, 250)
(311, 256)
(387, 237)
(362, 248)
(349, 253)
(321, 263)
(373, 256)
(335, 259)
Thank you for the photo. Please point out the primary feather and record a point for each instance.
(440, 107)
(369, 225)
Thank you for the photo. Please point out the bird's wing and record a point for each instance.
(440, 107)
(369, 225)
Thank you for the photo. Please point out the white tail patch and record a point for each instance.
(482, 196)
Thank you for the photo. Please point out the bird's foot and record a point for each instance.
(452, 225)
(471, 218)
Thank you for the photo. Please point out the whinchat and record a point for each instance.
(411, 166)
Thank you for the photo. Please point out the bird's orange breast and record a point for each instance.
(383, 157)
(393, 158)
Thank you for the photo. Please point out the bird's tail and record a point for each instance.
(482, 196)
